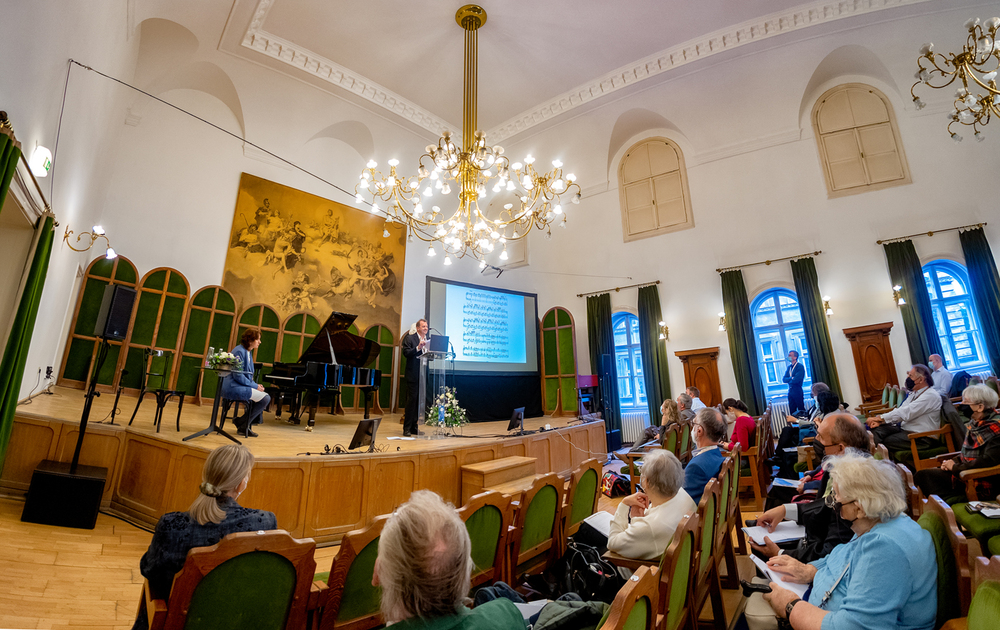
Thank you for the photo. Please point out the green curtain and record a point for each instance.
(824, 367)
(918, 319)
(602, 341)
(742, 343)
(10, 152)
(16, 353)
(654, 352)
(985, 289)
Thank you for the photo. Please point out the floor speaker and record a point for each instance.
(63, 498)
(116, 312)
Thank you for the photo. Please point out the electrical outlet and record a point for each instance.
(48, 372)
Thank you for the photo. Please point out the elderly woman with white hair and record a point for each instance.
(885, 577)
(980, 449)
(645, 521)
(424, 567)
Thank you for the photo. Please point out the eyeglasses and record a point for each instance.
(832, 503)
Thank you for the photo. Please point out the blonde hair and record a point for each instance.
(424, 559)
(225, 469)
(670, 413)
(874, 484)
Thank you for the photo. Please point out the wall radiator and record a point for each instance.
(633, 425)
(779, 409)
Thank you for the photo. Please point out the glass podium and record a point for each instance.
(435, 368)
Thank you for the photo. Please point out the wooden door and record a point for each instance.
(872, 359)
(701, 369)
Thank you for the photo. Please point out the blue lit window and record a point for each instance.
(628, 360)
(955, 316)
(777, 325)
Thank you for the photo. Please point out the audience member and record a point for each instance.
(921, 411)
(827, 403)
(707, 430)
(213, 515)
(789, 436)
(696, 404)
(684, 403)
(239, 384)
(743, 431)
(668, 416)
(885, 577)
(942, 377)
(795, 375)
(980, 449)
(645, 521)
(424, 566)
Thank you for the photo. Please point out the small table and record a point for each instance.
(213, 427)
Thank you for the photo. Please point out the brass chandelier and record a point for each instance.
(977, 98)
(471, 170)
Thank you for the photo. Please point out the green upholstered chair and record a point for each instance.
(954, 556)
(993, 546)
(672, 438)
(883, 403)
(921, 457)
(582, 496)
(754, 470)
(347, 600)
(246, 580)
(684, 445)
(634, 607)
(488, 517)
(706, 566)
(677, 575)
(724, 524)
(535, 535)
(914, 498)
(985, 607)
(978, 526)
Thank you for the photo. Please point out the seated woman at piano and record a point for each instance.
(239, 384)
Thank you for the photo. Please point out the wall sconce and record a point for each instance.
(95, 233)
(722, 322)
(664, 331)
(897, 296)
(826, 305)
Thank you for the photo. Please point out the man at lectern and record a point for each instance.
(414, 345)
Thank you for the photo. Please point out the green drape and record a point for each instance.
(16, 353)
(742, 343)
(985, 289)
(654, 352)
(824, 367)
(602, 341)
(10, 152)
(918, 318)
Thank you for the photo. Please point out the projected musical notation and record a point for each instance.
(485, 326)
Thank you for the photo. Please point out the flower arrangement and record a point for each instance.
(224, 361)
(445, 411)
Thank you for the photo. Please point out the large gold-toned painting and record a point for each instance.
(298, 252)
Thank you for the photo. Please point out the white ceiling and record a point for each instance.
(537, 58)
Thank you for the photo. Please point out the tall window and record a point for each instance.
(955, 315)
(628, 359)
(777, 325)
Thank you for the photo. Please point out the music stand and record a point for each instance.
(517, 421)
(364, 435)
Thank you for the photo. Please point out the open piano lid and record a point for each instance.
(348, 348)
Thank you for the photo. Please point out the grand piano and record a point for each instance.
(335, 357)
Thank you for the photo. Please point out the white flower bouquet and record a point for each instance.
(445, 411)
(225, 361)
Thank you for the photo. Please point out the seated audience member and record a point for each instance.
(826, 403)
(825, 529)
(669, 415)
(696, 404)
(942, 377)
(424, 566)
(707, 430)
(743, 425)
(980, 449)
(684, 403)
(921, 411)
(239, 384)
(214, 515)
(885, 577)
(645, 521)
(789, 435)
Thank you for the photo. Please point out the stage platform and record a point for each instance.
(314, 496)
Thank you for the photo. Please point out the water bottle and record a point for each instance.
(208, 357)
(441, 415)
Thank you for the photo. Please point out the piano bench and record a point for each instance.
(227, 404)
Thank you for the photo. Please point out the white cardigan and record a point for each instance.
(647, 537)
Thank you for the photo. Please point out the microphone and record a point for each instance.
(435, 330)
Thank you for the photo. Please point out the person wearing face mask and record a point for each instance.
(980, 449)
(921, 411)
(743, 427)
(885, 577)
(795, 375)
(942, 377)
(707, 430)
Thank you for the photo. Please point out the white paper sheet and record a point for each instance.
(601, 521)
(798, 589)
(785, 531)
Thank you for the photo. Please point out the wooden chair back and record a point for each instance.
(954, 559)
(249, 579)
(684, 447)
(914, 499)
(677, 575)
(757, 477)
(672, 439)
(986, 597)
(706, 567)
(534, 543)
(349, 601)
(487, 517)
(582, 495)
(635, 604)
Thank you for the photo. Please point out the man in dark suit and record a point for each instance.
(794, 376)
(414, 345)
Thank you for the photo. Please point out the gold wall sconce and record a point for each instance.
(664, 331)
(95, 233)
(897, 297)
(722, 322)
(826, 305)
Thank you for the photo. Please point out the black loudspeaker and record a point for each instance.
(60, 497)
(609, 400)
(115, 313)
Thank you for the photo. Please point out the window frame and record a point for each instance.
(633, 348)
(939, 304)
(688, 223)
(779, 389)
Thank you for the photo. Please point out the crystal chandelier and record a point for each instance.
(471, 170)
(977, 98)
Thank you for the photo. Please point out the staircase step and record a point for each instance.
(496, 472)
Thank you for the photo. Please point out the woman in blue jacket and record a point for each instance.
(239, 385)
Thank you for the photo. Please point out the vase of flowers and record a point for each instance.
(445, 413)
(224, 362)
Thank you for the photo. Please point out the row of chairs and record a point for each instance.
(676, 439)
(279, 586)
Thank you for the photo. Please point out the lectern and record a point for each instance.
(434, 370)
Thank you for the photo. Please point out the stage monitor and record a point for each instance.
(516, 420)
(364, 435)
(492, 331)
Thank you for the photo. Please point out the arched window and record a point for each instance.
(628, 359)
(777, 325)
(653, 188)
(858, 140)
(955, 316)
